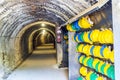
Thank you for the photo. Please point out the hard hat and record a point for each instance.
(100, 65)
(77, 50)
(69, 27)
(91, 50)
(80, 37)
(89, 34)
(81, 58)
(110, 69)
(84, 23)
(93, 76)
(102, 39)
(106, 52)
(86, 49)
(90, 62)
(95, 35)
(80, 48)
(83, 71)
(86, 60)
(96, 66)
(96, 51)
(112, 75)
(77, 27)
(87, 38)
(77, 38)
(102, 49)
(74, 37)
(102, 68)
(82, 34)
(100, 78)
(109, 36)
(88, 75)
(106, 69)
(95, 62)
(73, 27)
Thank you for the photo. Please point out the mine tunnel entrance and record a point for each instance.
(43, 38)
(39, 40)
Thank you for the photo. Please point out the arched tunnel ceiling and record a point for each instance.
(15, 14)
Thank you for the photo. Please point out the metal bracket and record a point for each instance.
(89, 10)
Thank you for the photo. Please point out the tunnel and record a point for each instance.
(39, 33)
(34, 33)
(27, 24)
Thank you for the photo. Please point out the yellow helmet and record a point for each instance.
(100, 78)
(106, 52)
(95, 62)
(100, 65)
(96, 51)
(88, 75)
(69, 27)
(81, 58)
(85, 37)
(85, 61)
(109, 36)
(95, 35)
(83, 71)
(86, 49)
(84, 23)
(80, 47)
(106, 69)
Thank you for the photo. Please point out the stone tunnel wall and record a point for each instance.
(9, 56)
(15, 14)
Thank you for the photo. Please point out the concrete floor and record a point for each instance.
(40, 67)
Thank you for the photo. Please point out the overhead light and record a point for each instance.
(43, 32)
(43, 25)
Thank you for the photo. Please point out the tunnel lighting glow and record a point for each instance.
(43, 25)
(43, 32)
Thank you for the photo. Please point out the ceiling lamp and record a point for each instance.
(43, 25)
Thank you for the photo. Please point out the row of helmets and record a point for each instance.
(95, 36)
(98, 65)
(82, 23)
(89, 75)
(103, 51)
(96, 55)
